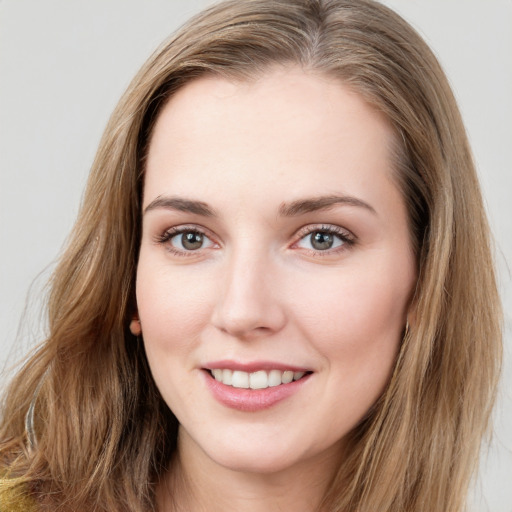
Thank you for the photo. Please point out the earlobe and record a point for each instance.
(135, 327)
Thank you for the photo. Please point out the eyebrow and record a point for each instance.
(181, 205)
(293, 209)
(308, 205)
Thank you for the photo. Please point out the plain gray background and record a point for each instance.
(64, 65)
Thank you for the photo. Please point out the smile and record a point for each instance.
(256, 386)
(260, 379)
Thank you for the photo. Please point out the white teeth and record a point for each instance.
(255, 380)
(227, 377)
(258, 380)
(240, 379)
(274, 378)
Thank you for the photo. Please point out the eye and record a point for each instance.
(324, 239)
(181, 240)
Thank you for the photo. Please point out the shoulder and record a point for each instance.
(14, 497)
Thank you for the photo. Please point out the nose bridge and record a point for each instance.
(248, 302)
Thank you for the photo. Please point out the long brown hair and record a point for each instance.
(102, 436)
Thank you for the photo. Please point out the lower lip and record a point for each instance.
(252, 400)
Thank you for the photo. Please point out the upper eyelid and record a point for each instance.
(183, 228)
(333, 228)
(173, 231)
(304, 230)
(300, 233)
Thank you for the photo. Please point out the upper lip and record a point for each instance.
(253, 366)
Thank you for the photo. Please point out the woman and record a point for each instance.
(279, 291)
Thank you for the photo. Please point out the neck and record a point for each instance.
(196, 483)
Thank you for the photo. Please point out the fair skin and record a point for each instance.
(275, 240)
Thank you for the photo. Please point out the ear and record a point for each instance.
(135, 327)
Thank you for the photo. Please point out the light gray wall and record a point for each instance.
(65, 63)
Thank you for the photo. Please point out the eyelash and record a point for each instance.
(166, 237)
(347, 238)
(344, 236)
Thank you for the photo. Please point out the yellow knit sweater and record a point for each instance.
(13, 496)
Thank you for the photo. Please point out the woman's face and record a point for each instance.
(275, 247)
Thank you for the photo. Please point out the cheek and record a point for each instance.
(172, 311)
(356, 324)
(172, 306)
(356, 320)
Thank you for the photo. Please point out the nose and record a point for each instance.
(250, 299)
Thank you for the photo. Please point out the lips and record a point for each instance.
(253, 387)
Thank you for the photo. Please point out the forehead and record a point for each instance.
(289, 128)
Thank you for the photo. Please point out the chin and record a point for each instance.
(254, 452)
(252, 461)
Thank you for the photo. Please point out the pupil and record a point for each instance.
(192, 240)
(321, 240)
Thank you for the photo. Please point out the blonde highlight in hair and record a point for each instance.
(105, 436)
